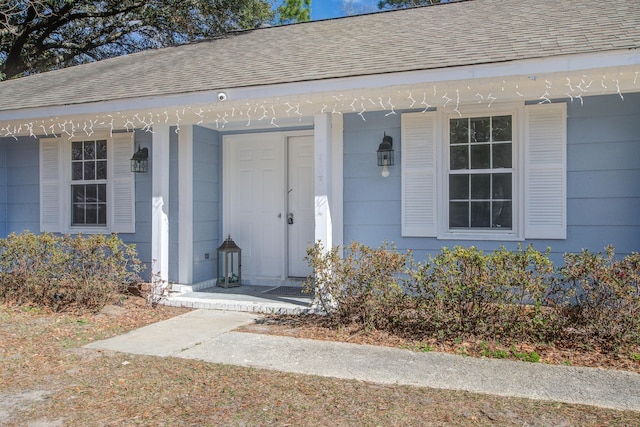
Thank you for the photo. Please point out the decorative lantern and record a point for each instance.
(140, 160)
(385, 154)
(229, 264)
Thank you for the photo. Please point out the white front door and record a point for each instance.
(300, 215)
(268, 183)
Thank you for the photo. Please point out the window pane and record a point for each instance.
(480, 156)
(502, 215)
(458, 214)
(91, 193)
(91, 213)
(459, 187)
(101, 170)
(76, 171)
(89, 150)
(89, 170)
(78, 214)
(77, 193)
(502, 186)
(459, 131)
(102, 214)
(101, 149)
(502, 128)
(480, 129)
(480, 214)
(76, 151)
(459, 157)
(502, 156)
(102, 193)
(480, 186)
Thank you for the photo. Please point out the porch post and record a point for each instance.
(160, 203)
(337, 176)
(322, 171)
(185, 205)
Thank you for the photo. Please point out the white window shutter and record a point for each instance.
(50, 185)
(546, 171)
(418, 169)
(122, 185)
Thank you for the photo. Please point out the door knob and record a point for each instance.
(290, 218)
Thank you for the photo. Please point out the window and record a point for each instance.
(497, 175)
(86, 184)
(89, 183)
(480, 173)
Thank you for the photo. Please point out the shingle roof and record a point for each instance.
(441, 36)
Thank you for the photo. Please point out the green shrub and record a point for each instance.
(64, 272)
(605, 297)
(362, 287)
(452, 293)
(503, 294)
(464, 292)
(528, 294)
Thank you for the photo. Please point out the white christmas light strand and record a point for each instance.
(271, 110)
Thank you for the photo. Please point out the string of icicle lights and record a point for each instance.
(425, 97)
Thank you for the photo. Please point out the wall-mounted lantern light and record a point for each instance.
(385, 154)
(140, 160)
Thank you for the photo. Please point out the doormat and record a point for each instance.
(288, 291)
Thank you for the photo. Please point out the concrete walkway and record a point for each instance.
(208, 335)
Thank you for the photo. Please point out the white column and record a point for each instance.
(322, 170)
(185, 205)
(160, 203)
(337, 176)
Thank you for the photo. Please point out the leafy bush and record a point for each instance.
(64, 272)
(605, 297)
(501, 294)
(361, 287)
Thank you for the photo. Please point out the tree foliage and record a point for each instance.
(41, 35)
(294, 11)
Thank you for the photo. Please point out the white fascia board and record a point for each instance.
(528, 67)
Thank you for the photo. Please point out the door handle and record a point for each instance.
(290, 218)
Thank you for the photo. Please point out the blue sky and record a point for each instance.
(323, 9)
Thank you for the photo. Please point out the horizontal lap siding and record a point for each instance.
(22, 209)
(603, 173)
(3, 188)
(206, 202)
(603, 181)
(142, 237)
(371, 202)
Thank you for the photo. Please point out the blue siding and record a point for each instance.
(206, 202)
(22, 185)
(603, 181)
(3, 187)
(174, 203)
(142, 236)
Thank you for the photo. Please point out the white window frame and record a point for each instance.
(85, 182)
(517, 178)
(56, 182)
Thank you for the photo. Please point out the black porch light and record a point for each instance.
(140, 160)
(385, 154)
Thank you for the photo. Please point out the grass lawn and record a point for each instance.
(48, 379)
